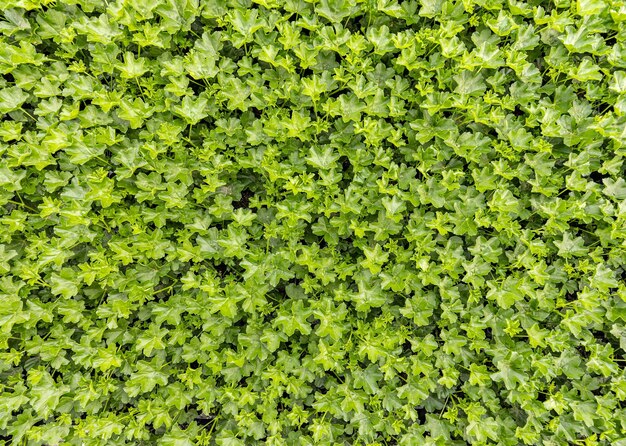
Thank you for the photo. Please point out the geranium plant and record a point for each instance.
(312, 222)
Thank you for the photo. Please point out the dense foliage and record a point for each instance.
(312, 222)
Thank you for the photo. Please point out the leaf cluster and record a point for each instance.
(312, 222)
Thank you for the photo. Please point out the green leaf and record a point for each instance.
(12, 99)
(604, 278)
(571, 246)
(64, 284)
(146, 377)
(132, 68)
(590, 7)
(44, 393)
(192, 111)
(336, 10)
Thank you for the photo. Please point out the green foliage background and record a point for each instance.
(312, 222)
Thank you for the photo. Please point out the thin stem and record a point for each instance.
(163, 289)
(140, 89)
(29, 115)
(213, 425)
(21, 204)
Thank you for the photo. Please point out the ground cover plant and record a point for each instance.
(312, 222)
